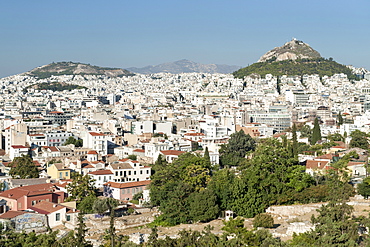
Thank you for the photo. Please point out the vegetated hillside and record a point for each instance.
(72, 68)
(320, 66)
(54, 86)
(185, 66)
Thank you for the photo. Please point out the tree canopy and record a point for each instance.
(232, 153)
(23, 167)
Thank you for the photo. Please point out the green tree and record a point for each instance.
(335, 137)
(81, 232)
(263, 220)
(359, 140)
(232, 153)
(203, 206)
(294, 140)
(23, 167)
(86, 204)
(316, 132)
(339, 119)
(364, 188)
(74, 141)
(82, 186)
(132, 157)
(270, 177)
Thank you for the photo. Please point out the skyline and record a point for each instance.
(136, 34)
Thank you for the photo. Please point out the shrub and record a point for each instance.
(263, 220)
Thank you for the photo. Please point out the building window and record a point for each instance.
(123, 191)
(33, 203)
(66, 174)
(57, 217)
(68, 217)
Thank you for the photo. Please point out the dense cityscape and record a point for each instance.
(93, 159)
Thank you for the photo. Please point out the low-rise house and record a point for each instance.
(316, 167)
(17, 151)
(357, 169)
(169, 155)
(23, 197)
(101, 177)
(56, 214)
(124, 191)
(59, 171)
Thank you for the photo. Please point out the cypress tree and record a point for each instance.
(316, 132)
(339, 119)
(295, 140)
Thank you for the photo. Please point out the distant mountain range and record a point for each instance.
(185, 66)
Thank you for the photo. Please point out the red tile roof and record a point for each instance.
(45, 207)
(325, 156)
(96, 134)
(11, 214)
(139, 150)
(314, 164)
(18, 146)
(354, 163)
(92, 152)
(101, 172)
(127, 185)
(194, 134)
(172, 152)
(29, 190)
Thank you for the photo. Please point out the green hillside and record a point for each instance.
(72, 68)
(54, 86)
(320, 66)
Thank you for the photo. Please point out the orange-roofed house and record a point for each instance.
(101, 177)
(17, 151)
(124, 191)
(21, 198)
(57, 214)
(316, 167)
(169, 155)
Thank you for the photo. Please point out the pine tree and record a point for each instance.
(316, 132)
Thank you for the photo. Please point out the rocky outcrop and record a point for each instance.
(292, 50)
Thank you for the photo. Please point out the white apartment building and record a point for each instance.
(127, 170)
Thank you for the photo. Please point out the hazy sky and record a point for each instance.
(121, 33)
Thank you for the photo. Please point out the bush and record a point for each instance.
(263, 220)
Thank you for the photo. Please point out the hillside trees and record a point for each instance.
(173, 184)
(82, 187)
(233, 153)
(359, 140)
(23, 167)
